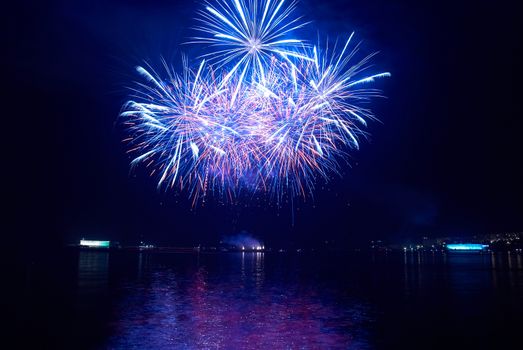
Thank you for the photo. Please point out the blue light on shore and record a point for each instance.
(467, 246)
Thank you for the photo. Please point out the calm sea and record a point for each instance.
(123, 300)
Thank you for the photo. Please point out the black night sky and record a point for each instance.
(446, 158)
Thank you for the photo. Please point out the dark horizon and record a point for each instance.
(444, 159)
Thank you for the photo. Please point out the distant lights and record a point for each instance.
(467, 246)
(94, 244)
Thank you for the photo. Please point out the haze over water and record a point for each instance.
(117, 300)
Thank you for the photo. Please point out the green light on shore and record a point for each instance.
(94, 244)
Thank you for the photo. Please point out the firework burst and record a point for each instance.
(247, 34)
(271, 118)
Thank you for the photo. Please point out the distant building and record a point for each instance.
(467, 247)
(94, 244)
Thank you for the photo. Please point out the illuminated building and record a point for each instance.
(94, 244)
(467, 247)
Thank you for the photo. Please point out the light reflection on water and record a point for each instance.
(282, 301)
(234, 310)
(92, 270)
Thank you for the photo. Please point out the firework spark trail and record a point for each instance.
(246, 34)
(284, 115)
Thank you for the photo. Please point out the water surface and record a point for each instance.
(122, 300)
